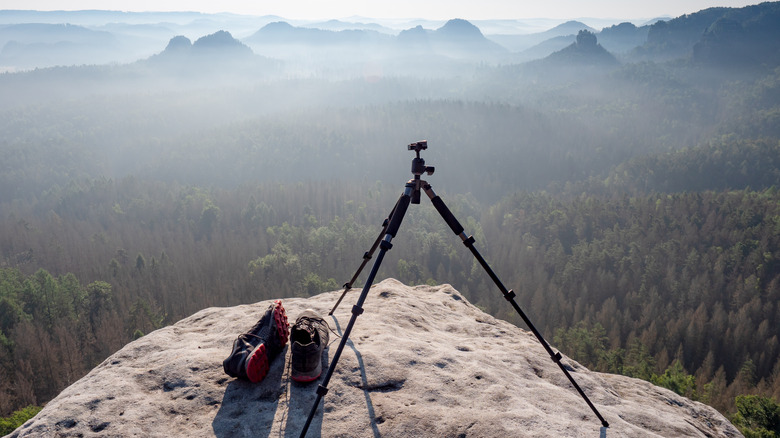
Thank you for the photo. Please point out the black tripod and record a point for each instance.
(389, 229)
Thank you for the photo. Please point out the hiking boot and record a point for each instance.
(308, 339)
(254, 350)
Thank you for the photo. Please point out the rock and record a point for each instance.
(421, 361)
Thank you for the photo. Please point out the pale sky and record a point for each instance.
(430, 9)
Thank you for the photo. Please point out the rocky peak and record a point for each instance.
(421, 361)
(459, 29)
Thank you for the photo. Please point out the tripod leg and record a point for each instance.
(366, 257)
(509, 295)
(357, 309)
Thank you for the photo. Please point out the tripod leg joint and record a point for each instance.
(321, 390)
(366, 255)
(469, 241)
(385, 245)
(357, 310)
(509, 296)
(557, 357)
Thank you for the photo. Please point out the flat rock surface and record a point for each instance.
(421, 361)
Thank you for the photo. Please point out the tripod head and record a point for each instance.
(418, 164)
(419, 167)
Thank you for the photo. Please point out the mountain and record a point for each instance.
(623, 37)
(457, 38)
(459, 30)
(217, 56)
(220, 44)
(283, 33)
(415, 40)
(568, 28)
(337, 25)
(519, 43)
(422, 361)
(31, 45)
(745, 37)
(28, 33)
(545, 48)
(675, 38)
(584, 51)
(179, 44)
(718, 35)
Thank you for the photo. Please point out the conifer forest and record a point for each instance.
(632, 205)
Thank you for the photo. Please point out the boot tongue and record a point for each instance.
(303, 334)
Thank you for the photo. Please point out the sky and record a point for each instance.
(430, 9)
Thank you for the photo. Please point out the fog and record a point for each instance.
(226, 100)
(620, 176)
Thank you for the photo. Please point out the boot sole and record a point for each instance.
(258, 363)
(306, 379)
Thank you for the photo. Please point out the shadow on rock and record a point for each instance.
(303, 396)
(248, 409)
(366, 393)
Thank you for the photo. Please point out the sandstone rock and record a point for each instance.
(421, 361)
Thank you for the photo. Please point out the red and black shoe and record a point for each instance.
(254, 350)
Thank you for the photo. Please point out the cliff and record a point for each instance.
(421, 361)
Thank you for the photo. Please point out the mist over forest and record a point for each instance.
(620, 177)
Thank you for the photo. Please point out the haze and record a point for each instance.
(620, 175)
(438, 9)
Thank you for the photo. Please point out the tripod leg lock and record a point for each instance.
(366, 255)
(557, 357)
(469, 241)
(356, 310)
(385, 245)
(509, 296)
(321, 390)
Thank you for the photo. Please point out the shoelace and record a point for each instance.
(311, 324)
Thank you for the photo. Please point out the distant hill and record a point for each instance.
(456, 38)
(747, 36)
(213, 56)
(623, 37)
(283, 33)
(39, 44)
(337, 25)
(28, 33)
(459, 30)
(584, 51)
(718, 35)
(675, 38)
(545, 48)
(519, 43)
(178, 45)
(619, 38)
(220, 44)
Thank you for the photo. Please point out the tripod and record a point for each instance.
(383, 242)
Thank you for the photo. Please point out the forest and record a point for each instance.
(634, 208)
